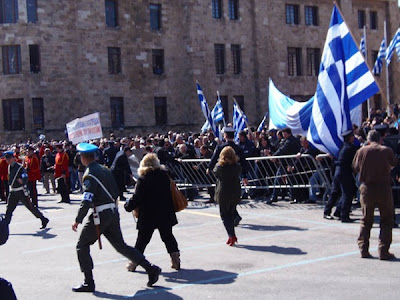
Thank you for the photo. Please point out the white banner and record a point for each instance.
(85, 129)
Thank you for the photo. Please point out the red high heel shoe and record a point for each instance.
(232, 240)
(228, 242)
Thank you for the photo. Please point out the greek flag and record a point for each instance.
(262, 124)
(381, 54)
(362, 45)
(344, 82)
(394, 44)
(206, 110)
(239, 120)
(217, 115)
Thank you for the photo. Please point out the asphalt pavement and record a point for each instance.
(284, 251)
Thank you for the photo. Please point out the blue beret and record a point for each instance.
(8, 154)
(86, 148)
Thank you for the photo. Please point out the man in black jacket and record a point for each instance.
(121, 170)
(47, 169)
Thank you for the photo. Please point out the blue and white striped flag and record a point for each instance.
(394, 44)
(206, 110)
(218, 112)
(344, 81)
(362, 45)
(262, 124)
(381, 55)
(239, 120)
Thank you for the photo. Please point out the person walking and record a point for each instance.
(121, 170)
(61, 173)
(99, 193)
(227, 192)
(374, 162)
(153, 200)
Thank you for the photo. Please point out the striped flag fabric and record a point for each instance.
(394, 44)
(344, 82)
(206, 110)
(217, 115)
(262, 124)
(381, 55)
(239, 120)
(362, 45)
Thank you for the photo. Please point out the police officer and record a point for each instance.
(99, 192)
(19, 191)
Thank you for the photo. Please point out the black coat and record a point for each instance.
(153, 198)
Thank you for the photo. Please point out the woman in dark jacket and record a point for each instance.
(227, 192)
(152, 199)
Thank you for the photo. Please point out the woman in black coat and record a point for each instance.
(152, 199)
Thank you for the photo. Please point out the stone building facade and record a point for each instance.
(137, 62)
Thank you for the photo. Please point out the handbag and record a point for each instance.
(178, 199)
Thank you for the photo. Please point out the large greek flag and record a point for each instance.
(394, 44)
(206, 110)
(381, 55)
(239, 120)
(344, 82)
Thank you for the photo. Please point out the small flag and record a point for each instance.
(239, 120)
(344, 82)
(206, 110)
(262, 124)
(394, 44)
(362, 45)
(381, 55)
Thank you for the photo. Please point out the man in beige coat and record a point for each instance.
(374, 163)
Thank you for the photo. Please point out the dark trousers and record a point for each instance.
(110, 227)
(348, 189)
(4, 190)
(228, 214)
(33, 192)
(334, 195)
(63, 189)
(372, 196)
(144, 237)
(13, 200)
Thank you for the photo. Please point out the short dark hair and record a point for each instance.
(230, 135)
(287, 130)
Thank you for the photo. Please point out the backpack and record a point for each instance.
(3, 230)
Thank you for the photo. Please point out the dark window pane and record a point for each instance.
(8, 11)
(361, 19)
(294, 61)
(313, 61)
(38, 113)
(311, 15)
(114, 60)
(13, 114)
(158, 61)
(374, 20)
(31, 7)
(11, 59)
(217, 9)
(292, 14)
(155, 16)
(160, 109)
(34, 58)
(111, 13)
(240, 101)
(236, 59)
(233, 6)
(219, 52)
(117, 111)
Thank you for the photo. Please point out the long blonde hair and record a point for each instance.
(227, 157)
(150, 162)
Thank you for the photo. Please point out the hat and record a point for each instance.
(347, 132)
(8, 154)
(381, 127)
(228, 129)
(86, 148)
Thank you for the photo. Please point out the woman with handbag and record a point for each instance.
(153, 202)
(227, 192)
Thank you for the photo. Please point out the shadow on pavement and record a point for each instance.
(199, 277)
(270, 228)
(42, 233)
(274, 249)
(163, 294)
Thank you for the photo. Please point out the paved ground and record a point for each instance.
(285, 252)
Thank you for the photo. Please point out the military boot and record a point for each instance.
(175, 260)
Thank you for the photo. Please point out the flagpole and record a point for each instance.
(387, 74)
(366, 62)
(366, 58)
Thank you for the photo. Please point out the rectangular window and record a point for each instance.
(292, 14)
(294, 61)
(236, 59)
(160, 109)
(31, 8)
(13, 114)
(373, 16)
(217, 9)
(114, 60)
(111, 13)
(11, 59)
(225, 107)
(313, 61)
(155, 16)
(311, 15)
(8, 11)
(38, 113)
(233, 6)
(240, 101)
(158, 61)
(219, 52)
(117, 111)
(34, 58)
(361, 19)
